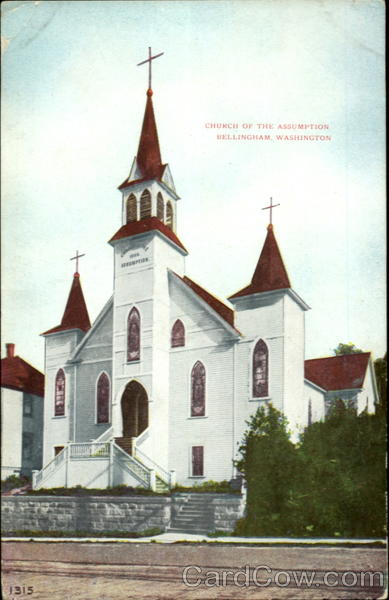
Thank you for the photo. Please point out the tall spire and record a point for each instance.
(75, 315)
(270, 273)
(149, 156)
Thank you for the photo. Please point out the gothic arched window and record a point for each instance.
(169, 215)
(260, 370)
(102, 399)
(160, 207)
(198, 390)
(145, 204)
(178, 334)
(131, 208)
(59, 398)
(133, 335)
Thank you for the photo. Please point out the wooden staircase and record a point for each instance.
(126, 445)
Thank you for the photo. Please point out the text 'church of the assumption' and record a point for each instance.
(158, 389)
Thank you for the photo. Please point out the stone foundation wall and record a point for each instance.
(227, 510)
(102, 513)
(92, 514)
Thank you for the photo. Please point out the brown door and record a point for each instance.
(58, 449)
(135, 409)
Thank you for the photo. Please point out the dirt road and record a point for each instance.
(109, 571)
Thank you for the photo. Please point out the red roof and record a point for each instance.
(144, 225)
(76, 313)
(270, 273)
(17, 374)
(158, 175)
(148, 157)
(344, 372)
(224, 311)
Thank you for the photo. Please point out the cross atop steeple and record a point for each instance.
(76, 259)
(270, 207)
(148, 60)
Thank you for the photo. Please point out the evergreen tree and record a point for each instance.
(269, 464)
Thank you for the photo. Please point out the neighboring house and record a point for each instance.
(348, 377)
(22, 391)
(168, 373)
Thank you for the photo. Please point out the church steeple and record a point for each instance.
(75, 315)
(149, 197)
(270, 273)
(149, 156)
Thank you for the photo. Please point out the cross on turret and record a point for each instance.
(76, 259)
(148, 60)
(270, 207)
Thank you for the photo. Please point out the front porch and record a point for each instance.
(102, 464)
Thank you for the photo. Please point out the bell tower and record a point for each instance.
(146, 247)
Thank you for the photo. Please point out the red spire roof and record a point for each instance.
(17, 374)
(344, 372)
(270, 273)
(76, 313)
(149, 156)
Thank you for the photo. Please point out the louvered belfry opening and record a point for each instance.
(145, 204)
(131, 209)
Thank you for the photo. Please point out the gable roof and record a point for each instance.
(344, 372)
(76, 313)
(270, 273)
(226, 313)
(144, 225)
(17, 374)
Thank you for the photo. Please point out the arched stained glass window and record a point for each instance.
(198, 390)
(145, 204)
(103, 394)
(59, 399)
(133, 335)
(260, 370)
(169, 215)
(131, 208)
(160, 207)
(178, 334)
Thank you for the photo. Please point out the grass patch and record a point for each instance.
(78, 490)
(82, 534)
(215, 487)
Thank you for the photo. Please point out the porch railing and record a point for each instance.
(133, 466)
(148, 462)
(89, 450)
(40, 476)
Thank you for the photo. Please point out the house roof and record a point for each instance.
(344, 372)
(270, 273)
(17, 374)
(148, 157)
(218, 306)
(144, 225)
(76, 313)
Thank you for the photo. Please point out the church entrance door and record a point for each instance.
(135, 409)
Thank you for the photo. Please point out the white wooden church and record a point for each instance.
(159, 388)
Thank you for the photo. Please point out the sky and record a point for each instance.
(73, 99)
